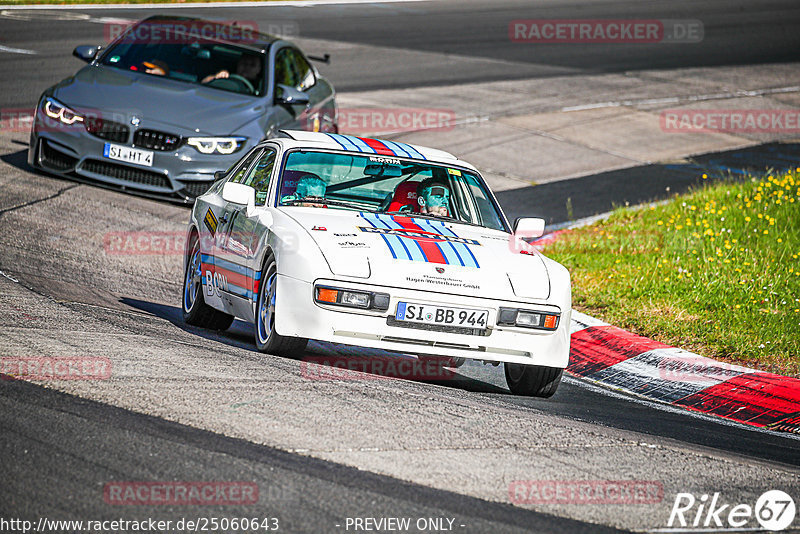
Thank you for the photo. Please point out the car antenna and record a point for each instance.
(324, 59)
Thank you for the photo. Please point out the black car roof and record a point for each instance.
(259, 41)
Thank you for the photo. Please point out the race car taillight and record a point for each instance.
(353, 299)
(528, 319)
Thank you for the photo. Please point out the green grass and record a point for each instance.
(715, 271)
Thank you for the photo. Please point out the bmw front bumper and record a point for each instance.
(179, 174)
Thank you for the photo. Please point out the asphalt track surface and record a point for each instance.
(57, 449)
(735, 32)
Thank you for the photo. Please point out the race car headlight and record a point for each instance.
(218, 145)
(528, 319)
(56, 110)
(353, 299)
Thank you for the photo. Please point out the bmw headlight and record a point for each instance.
(217, 145)
(56, 110)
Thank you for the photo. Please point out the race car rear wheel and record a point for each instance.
(267, 339)
(195, 310)
(532, 380)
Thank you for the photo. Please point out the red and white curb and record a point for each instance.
(620, 360)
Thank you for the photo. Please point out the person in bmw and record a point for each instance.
(160, 117)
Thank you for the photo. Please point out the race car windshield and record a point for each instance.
(208, 63)
(379, 184)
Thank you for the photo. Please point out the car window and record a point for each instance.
(189, 59)
(292, 69)
(304, 71)
(240, 172)
(259, 176)
(389, 185)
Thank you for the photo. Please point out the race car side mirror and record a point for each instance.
(528, 227)
(85, 52)
(240, 194)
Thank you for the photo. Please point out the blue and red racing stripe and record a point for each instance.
(376, 146)
(417, 239)
(238, 279)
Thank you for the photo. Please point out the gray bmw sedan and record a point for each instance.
(172, 101)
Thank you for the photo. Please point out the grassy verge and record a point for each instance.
(715, 271)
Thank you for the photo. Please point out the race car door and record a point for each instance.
(237, 244)
(213, 212)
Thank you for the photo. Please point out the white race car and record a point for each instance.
(378, 244)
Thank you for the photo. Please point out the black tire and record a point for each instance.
(267, 339)
(533, 380)
(195, 310)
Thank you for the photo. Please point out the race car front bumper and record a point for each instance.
(298, 315)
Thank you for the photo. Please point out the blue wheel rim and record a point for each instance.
(266, 310)
(192, 282)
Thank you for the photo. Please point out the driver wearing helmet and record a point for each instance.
(310, 186)
(310, 192)
(433, 196)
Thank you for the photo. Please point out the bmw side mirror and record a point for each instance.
(86, 52)
(290, 96)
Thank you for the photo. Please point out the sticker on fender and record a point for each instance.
(441, 315)
(210, 221)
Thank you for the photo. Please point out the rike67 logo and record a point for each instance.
(773, 511)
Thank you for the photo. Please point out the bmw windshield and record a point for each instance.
(381, 184)
(158, 49)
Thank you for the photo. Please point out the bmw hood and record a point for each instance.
(419, 253)
(117, 95)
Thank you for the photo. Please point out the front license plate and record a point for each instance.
(441, 315)
(128, 155)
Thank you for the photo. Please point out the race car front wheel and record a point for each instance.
(532, 380)
(267, 339)
(195, 310)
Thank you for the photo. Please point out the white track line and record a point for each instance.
(285, 3)
(17, 50)
(678, 99)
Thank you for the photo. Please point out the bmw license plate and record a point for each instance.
(441, 315)
(128, 155)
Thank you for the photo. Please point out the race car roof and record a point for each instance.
(371, 146)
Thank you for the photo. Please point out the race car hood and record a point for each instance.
(419, 253)
(118, 95)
